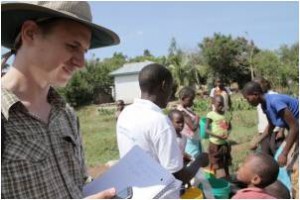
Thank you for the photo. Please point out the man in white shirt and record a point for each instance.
(144, 124)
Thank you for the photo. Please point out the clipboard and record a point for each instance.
(140, 171)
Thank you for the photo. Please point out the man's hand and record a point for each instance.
(253, 146)
(106, 194)
(282, 160)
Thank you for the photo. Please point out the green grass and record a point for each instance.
(99, 135)
(98, 127)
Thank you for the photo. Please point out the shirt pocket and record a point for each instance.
(28, 150)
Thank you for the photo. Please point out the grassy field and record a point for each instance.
(98, 127)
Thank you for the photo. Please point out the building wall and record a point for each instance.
(127, 87)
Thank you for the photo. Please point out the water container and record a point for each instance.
(220, 188)
(202, 124)
(192, 193)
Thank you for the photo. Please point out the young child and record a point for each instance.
(225, 92)
(257, 172)
(120, 106)
(177, 120)
(217, 127)
(191, 121)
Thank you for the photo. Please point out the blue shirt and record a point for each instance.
(276, 103)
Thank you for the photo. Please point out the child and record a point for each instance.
(217, 127)
(257, 172)
(177, 120)
(220, 89)
(191, 121)
(120, 106)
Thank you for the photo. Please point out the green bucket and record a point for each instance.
(202, 124)
(220, 188)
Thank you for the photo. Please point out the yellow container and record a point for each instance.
(193, 193)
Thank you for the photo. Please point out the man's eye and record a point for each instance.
(72, 46)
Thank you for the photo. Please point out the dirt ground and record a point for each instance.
(97, 171)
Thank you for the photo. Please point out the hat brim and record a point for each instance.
(14, 14)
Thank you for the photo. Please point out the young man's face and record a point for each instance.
(178, 122)
(60, 52)
(253, 99)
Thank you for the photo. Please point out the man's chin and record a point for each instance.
(60, 84)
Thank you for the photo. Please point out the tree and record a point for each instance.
(93, 82)
(289, 58)
(183, 66)
(227, 57)
(147, 53)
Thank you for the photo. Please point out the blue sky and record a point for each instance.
(151, 25)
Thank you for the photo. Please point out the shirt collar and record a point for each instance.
(148, 104)
(9, 99)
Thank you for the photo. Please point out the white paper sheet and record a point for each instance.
(136, 169)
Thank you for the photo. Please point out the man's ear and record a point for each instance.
(256, 180)
(28, 31)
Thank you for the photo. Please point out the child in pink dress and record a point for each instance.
(191, 122)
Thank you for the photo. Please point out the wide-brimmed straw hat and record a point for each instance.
(14, 14)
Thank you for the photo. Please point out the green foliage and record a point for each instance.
(202, 105)
(87, 85)
(238, 104)
(227, 57)
(280, 67)
(241, 104)
(185, 67)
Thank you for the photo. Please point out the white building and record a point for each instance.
(126, 83)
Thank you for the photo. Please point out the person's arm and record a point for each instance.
(268, 130)
(291, 138)
(193, 124)
(188, 172)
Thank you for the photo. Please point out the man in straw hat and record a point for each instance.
(42, 155)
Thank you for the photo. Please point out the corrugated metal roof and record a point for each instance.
(130, 68)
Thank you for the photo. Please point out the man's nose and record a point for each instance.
(78, 60)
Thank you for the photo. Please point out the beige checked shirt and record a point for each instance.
(41, 160)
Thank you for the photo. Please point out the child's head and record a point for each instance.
(278, 190)
(155, 82)
(120, 105)
(258, 170)
(252, 92)
(219, 82)
(218, 102)
(187, 96)
(264, 84)
(177, 119)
